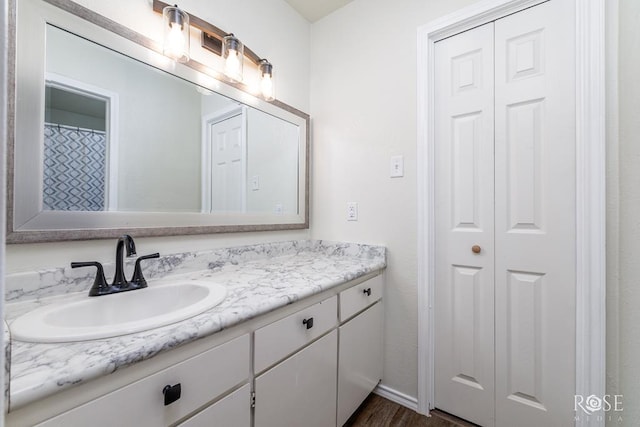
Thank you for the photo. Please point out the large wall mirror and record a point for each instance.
(110, 136)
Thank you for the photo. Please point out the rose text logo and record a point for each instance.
(592, 404)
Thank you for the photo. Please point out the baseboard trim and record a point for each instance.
(397, 397)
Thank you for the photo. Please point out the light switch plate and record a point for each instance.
(352, 211)
(255, 183)
(397, 166)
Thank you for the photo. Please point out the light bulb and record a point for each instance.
(175, 41)
(233, 54)
(176, 34)
(266, 81)
(266, 87)
(232, 65)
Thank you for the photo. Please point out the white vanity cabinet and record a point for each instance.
(310, 363)
(201, 378)
(325, 382)
(360, 356)
(301, 390)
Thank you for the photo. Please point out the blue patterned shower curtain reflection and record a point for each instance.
(74, 168)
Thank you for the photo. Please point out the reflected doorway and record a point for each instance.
(225, 158)
(77, 175)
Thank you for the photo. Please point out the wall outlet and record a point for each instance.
(277, 209)
(352, 211)
(397, 166)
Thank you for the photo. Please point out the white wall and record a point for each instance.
(4, 45)
(272, 157)
(363, 108)
(623, 281)
(213, 103)
(69, 118)
(269, 27)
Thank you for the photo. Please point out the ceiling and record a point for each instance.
(314, 10)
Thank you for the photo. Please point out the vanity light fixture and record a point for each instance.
(176, 33)
(233, 55)
(222, 43)
(266, 80)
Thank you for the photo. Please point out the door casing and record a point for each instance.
(590, 189)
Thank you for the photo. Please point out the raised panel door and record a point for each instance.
(535, 216)
(464, 287)
(520, 297)
(228, 165)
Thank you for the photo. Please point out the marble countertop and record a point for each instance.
(259, 279)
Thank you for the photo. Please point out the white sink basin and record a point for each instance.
(118, 314)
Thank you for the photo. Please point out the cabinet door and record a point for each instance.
(359, 360)
(300, 391)
(232, 411)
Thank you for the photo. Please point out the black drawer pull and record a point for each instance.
(308, 322)
(367, 291)
(171, 393)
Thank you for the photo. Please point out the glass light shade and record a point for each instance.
(176, 33)
(233, 55)
(267, 89)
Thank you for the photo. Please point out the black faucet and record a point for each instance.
(125, 241)
(120, 283)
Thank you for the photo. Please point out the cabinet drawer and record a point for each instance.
(276, 341)
(202, 378)
(231, 411)
(357, 298)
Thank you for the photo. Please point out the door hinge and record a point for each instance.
(253, 399)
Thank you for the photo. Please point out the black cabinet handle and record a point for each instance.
(367, 291)
(171, 393)
(308, 322)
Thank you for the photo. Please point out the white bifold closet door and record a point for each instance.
(505, 186)
(464, 308)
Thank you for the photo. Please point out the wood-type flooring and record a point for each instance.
(377, 411)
